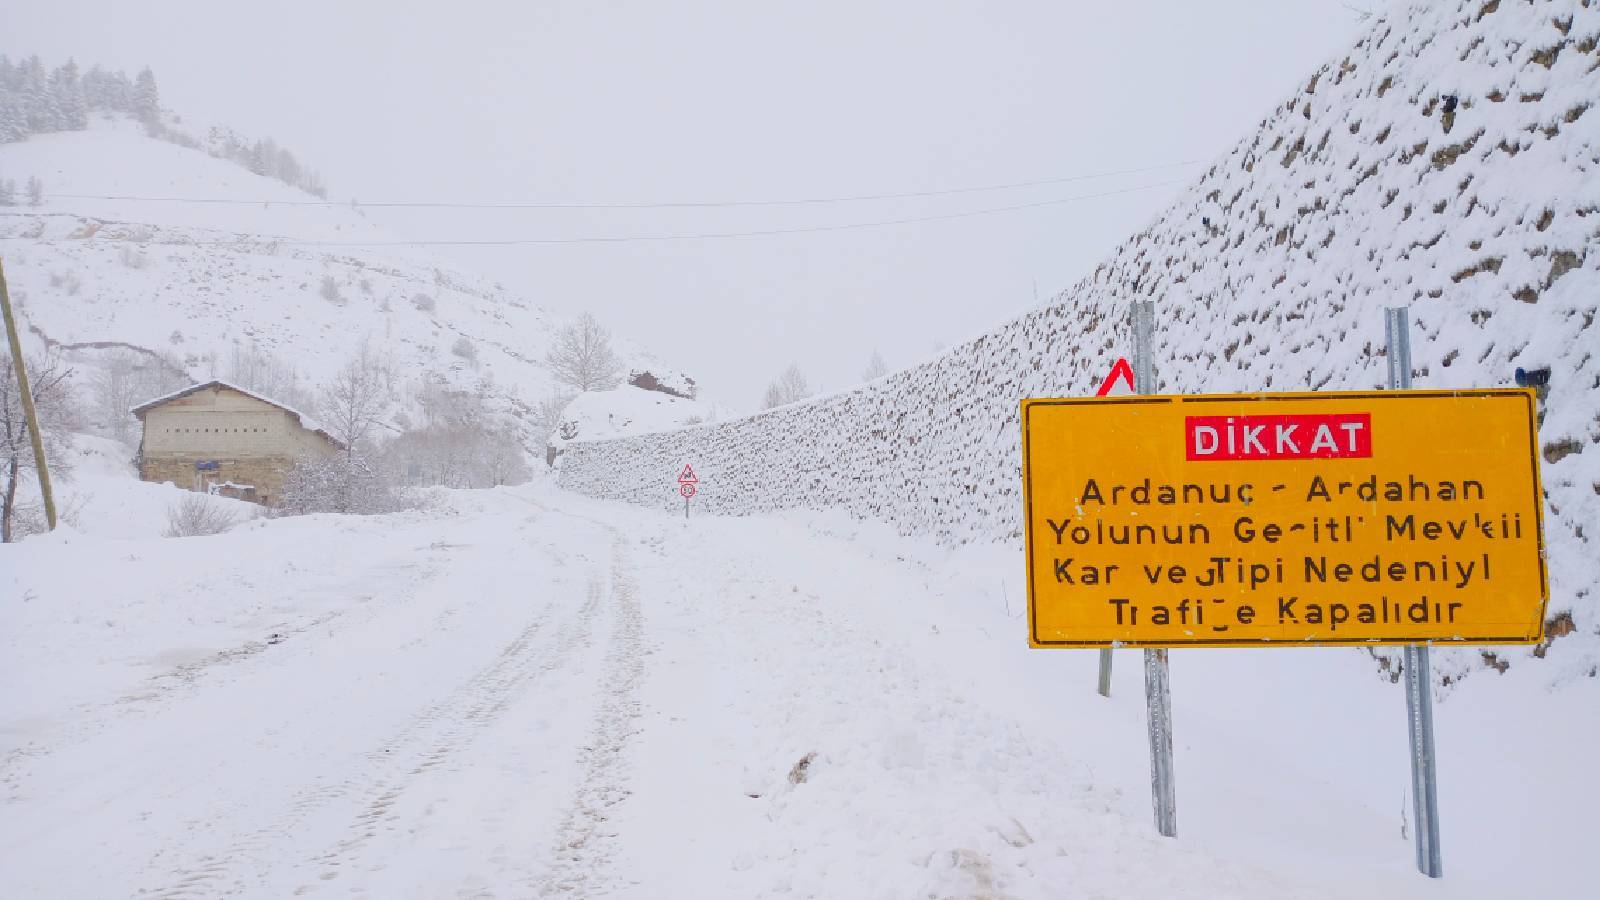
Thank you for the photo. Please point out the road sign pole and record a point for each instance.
(1157, 679)
(1419, 681)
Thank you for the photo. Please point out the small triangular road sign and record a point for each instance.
(688, 476)
(1120, 371)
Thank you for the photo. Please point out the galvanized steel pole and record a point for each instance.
(1157, 681)
(28, 412)
(1419, 682)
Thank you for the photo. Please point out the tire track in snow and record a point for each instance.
(586, 842)
(428, 739)
(161, 690)
(500, 692)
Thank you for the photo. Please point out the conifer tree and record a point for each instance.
(146, 99)
(38, 101)
(12, 126)
(66, 90)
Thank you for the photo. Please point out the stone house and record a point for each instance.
(220, 438)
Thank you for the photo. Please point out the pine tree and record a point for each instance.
(39, 103)
(146, 99)
(66, 90)
(35, 191)
(8, 192)
(876, 367)
(12, 127)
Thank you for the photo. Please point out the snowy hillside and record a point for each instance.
(1450, 162)
(192, 283)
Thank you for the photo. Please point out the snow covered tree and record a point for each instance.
(547, 414)
(52, 401)
(66, 89)
(355, 402)
(38, 102)
(35, 191)
(344, 483)
(8, 192)
(146, 100)
(790, 387)
(125, 380)
(876, 367)
(582, 356)
(13, 122)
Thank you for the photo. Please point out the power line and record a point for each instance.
(705, 204)
(625, 239)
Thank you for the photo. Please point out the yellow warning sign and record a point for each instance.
(1390, 517)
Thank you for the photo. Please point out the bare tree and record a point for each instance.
(256, 370)
(790, 387)
(52, 401)
(125, 380)
(876, 368)
(461, 442)
(582, 356)
(355, 401)
(547, 414)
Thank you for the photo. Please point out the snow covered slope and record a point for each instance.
(1366, 187)
(191, 281)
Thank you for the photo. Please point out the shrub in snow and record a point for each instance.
(346, 483)
(330, 290)
(133, 257)
(463, 348)
(422, 302)
(197, 514)
(67, 281)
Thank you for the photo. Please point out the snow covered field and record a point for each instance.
(525, 693)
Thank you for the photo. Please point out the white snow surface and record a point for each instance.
(527, 693)
(195, 280)
(625, 410)
(1271, 273)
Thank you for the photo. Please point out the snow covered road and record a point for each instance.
(527, 694)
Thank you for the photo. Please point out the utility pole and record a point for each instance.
(28, 412)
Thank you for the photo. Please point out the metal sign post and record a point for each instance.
(1157, 682)
(1120, 371)
(688, 486)
(1419, 690)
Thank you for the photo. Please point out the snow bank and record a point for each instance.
(1359, 191)
(626, 410)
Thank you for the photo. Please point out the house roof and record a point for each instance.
(304, 420)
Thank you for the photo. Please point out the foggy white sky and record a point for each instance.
(622, 102)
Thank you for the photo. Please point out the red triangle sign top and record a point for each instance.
(1119, 371)
(688, 476)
